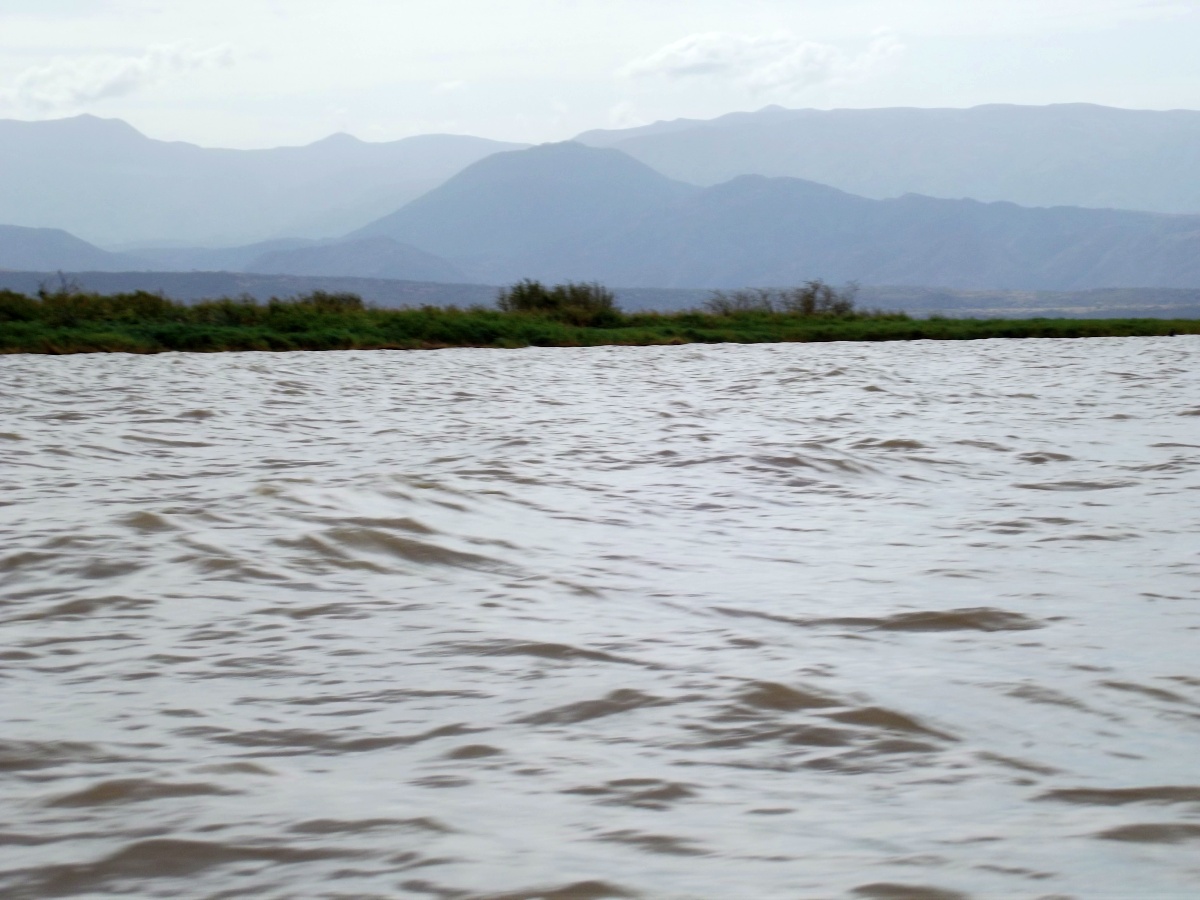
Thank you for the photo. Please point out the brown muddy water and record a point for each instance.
(801, 621)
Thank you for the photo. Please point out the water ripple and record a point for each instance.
(882, 621)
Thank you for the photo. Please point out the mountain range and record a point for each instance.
(680, 204)
(104, 181)
(571, 212)
(52, 250)
(568, 211)
(1073, 154)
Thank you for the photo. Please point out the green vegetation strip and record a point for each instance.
(74, 322)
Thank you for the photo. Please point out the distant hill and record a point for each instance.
(373, 257)
(1067, 154)
(567, 211)
(772, 231)
(50, 249)
(212, 259)
(103, 180)
(528, 212)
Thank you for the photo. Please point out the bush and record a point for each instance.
(16, 307)
(747, 300)
(322, 301)
(576, 303)
(813, 298)
(226, 311)
(69, 306)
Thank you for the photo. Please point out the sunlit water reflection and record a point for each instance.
(842, 620)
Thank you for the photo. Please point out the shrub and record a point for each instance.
(16, 307)
(746, 300)
(813, 298)
(69, 306)
(816, 298)
(326, 302)
(576, 303)
(242, 311)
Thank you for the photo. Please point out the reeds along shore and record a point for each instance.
(72, 321)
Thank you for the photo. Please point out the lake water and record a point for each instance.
(905, 620)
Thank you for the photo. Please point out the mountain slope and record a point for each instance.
(52, 249)
(570, 212)
(105, 181)
(1067, 154)
(528, 211)
(371, 257)
(777, 231)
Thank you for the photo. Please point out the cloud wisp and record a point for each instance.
(69, 83)
(766, 63)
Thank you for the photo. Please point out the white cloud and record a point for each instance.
(449, 87)
(69, 83)
(625, 115)
(764, 62)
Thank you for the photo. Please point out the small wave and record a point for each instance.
(473, 751)
(294, 741)
(540, 650)
(1153, 693)
(1076, 485)
(882, 719)
(146, 522)
(115, 606)
(19, 756)
(654, 843)
(618, 701)
(1153, 833)
(164, 442)
(782, 698)
(136, 790)
(576, 890)
(1123, 796)
(891, 444)
(1041, 457)
(972, 619)
(160, 858)
(1050, 697)
(883, 890)
(408, 549)
(643, 793)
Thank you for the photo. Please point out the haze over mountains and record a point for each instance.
(1063, 155)
(566, 211)
(50, 249)
(532, 212)
(733, 215)
(107, 183)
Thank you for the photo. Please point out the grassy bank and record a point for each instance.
(74, 322)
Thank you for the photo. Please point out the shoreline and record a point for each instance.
(68, 323)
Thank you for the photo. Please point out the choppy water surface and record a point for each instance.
(887, 621)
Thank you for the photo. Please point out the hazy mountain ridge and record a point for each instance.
(604, 217)
(570, 211)
(1059, 155)
(106, 182)
(515, 214)
(49, 249)
(370, 257)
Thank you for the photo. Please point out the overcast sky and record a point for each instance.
(259, 73)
